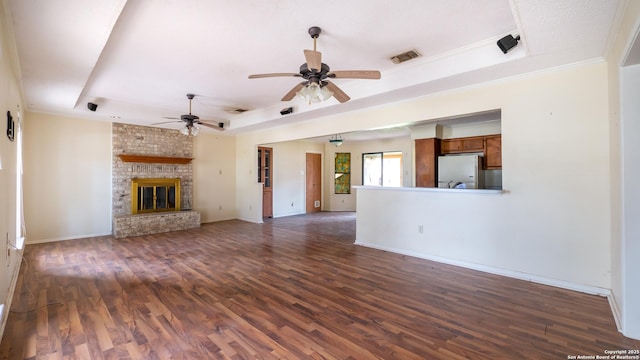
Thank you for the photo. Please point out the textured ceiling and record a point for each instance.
(138, 59)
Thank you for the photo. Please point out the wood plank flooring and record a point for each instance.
(292, 288)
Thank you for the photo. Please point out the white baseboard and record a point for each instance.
(289, 214)
(250, 220)
(615, 309)
(74, 237)
(4, 314)
(588, 289)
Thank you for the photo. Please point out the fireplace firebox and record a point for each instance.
(155, 195)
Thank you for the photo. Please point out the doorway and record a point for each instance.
(314, 183)
(265, 171)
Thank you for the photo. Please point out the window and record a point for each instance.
(382, 169)
(343, 173)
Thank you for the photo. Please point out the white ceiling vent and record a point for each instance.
(405, 56)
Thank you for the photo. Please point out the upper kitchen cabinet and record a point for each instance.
(489, 145)
(463, 145)
(493, 152)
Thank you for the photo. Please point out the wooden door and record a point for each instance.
(314, 182)
(265, 176)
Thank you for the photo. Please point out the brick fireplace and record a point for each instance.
(141, 152)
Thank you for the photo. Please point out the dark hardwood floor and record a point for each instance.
(292, 288)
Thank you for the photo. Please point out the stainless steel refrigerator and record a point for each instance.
(460, 172)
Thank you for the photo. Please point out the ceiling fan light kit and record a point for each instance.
(317, 87)
(314, 93)
(191, 121)
(192, 130)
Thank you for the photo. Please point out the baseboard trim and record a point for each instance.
(617, 316)
(587, 289)
(250, 220)
(75, 237)
(9, 299)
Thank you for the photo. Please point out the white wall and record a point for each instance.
(289, 175)
(10, 100)
(470, 129)
(214, 177)
(630, 77)
(344, 202)
(289, 181)
(289, 164)
(67, 178)
(623, 122)
(553, 221)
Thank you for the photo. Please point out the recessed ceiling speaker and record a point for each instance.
(92, 106)
(508, 42)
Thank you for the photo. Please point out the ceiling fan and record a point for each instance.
(316, 74)
(192, 120)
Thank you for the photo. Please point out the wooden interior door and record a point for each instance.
(314, 182)
(265, 176)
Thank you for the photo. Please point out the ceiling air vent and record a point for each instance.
(405, 56)
(237, 110)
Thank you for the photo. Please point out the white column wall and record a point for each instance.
(630, 80)
(214, 177)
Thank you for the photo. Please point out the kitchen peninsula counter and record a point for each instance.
(426, 189)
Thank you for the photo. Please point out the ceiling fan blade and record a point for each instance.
(337, 92)
(292, 93)
(354, 74)
(314, 59)
(258, 76)
(213, 126)
(167, 122)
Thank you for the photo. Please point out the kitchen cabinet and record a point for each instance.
(428, 150)
(493, 152)
(426, 153)
(463, 145)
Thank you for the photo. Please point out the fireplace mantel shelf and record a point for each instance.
(154, 159)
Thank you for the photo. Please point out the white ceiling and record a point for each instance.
(138, 59)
